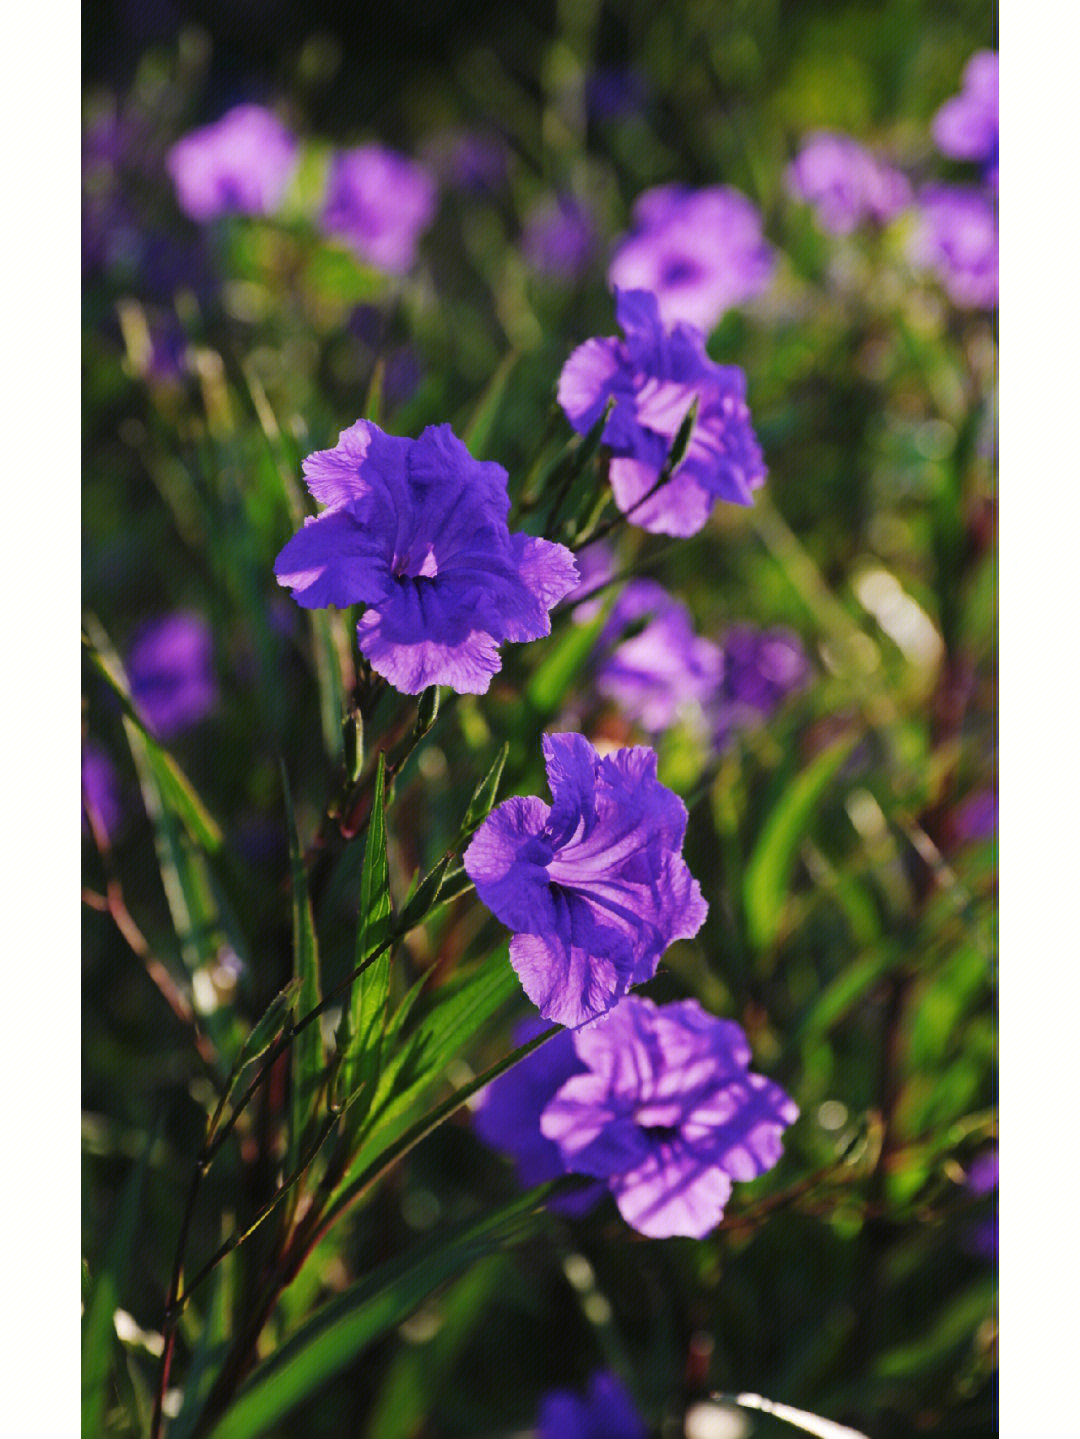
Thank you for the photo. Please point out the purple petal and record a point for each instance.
(588, 379)
(507, 862)
(333, 560)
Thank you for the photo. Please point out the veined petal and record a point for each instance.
(333, 560)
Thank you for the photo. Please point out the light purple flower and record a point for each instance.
(845, 183)
(664, 668)
(760, 669)
(594, 886)
(654, 377)
(101, 793)
(507, 1112)
(559, 237)
(416, 531)
(966, 127)
(379, 203)
(241, 164)
(700, 252)
(668, 1114)
(957, 237)
(171, 668)
(607, 1413)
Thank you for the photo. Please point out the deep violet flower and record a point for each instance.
(700, 252)
(663, 669)
(559, 238)
(606, 1413)
(845, 183)
(760, 669)
(241, 164)
(594, 885)
(171, 668)
(668, 1114)
(379, 203)
(101, 793)
(507, 1112)
(654, 376)
(966, 126)
(957, 237)
(416, 531)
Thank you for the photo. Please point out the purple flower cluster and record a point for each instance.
(170, 665)
(606, 1413)
(379, 203)
(700, 252)
(656, 1102)
(760, 669)
(654, 377)
(416, 531)
(966, 127)
(241, 164)
(594, 886)
(663, 669)
(845, 183)
(957, 237)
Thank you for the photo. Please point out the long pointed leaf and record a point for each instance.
(308, 1060)
(366, 1011)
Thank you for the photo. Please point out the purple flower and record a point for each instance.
(957, 236)
(416, 531)
(663, 669)
(607, 1413)
(596, 568)
(101, 794)
(760, 669)
(845, 183)
(379, 203)
(966, 127)
(613, 92)
(559, 238)
(242, 164)
(507, 1113)
(654, 376)
(470, 160)
(699, 251)
(594, 886)
(982, 1178)
(171, 668)
(976, 817)
(668, 1114)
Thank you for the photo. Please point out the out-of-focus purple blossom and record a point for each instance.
(101, 792)
(507, 1113)
(845, 183)
(966, 127)
(594, 886)
(171, 668)
(654, 377)
(379, 203)
(473, 161)
(667, 1114)
(559, 237)
(401, 376)
(613, 92)
(760, 668)
(416, 531)
(596, 567)
(607, 1412)
(242, 164)
(976, 817)
(957, 237)
(700, 252)
(982, 1178)
(663, 670)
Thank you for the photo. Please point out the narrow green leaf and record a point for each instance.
(308, 1060)
(483, 800)
(768, 872)
(98, 1330)
(478, 430)
(333, 1339)
(841, 994)
(427, 711)
(424, 896)
(364, 1016)
(274, 1018)
(209, 1350)
(176, 789)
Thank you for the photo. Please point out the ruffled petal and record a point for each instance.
(334, 560)
(590, 376)
(507, 862)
